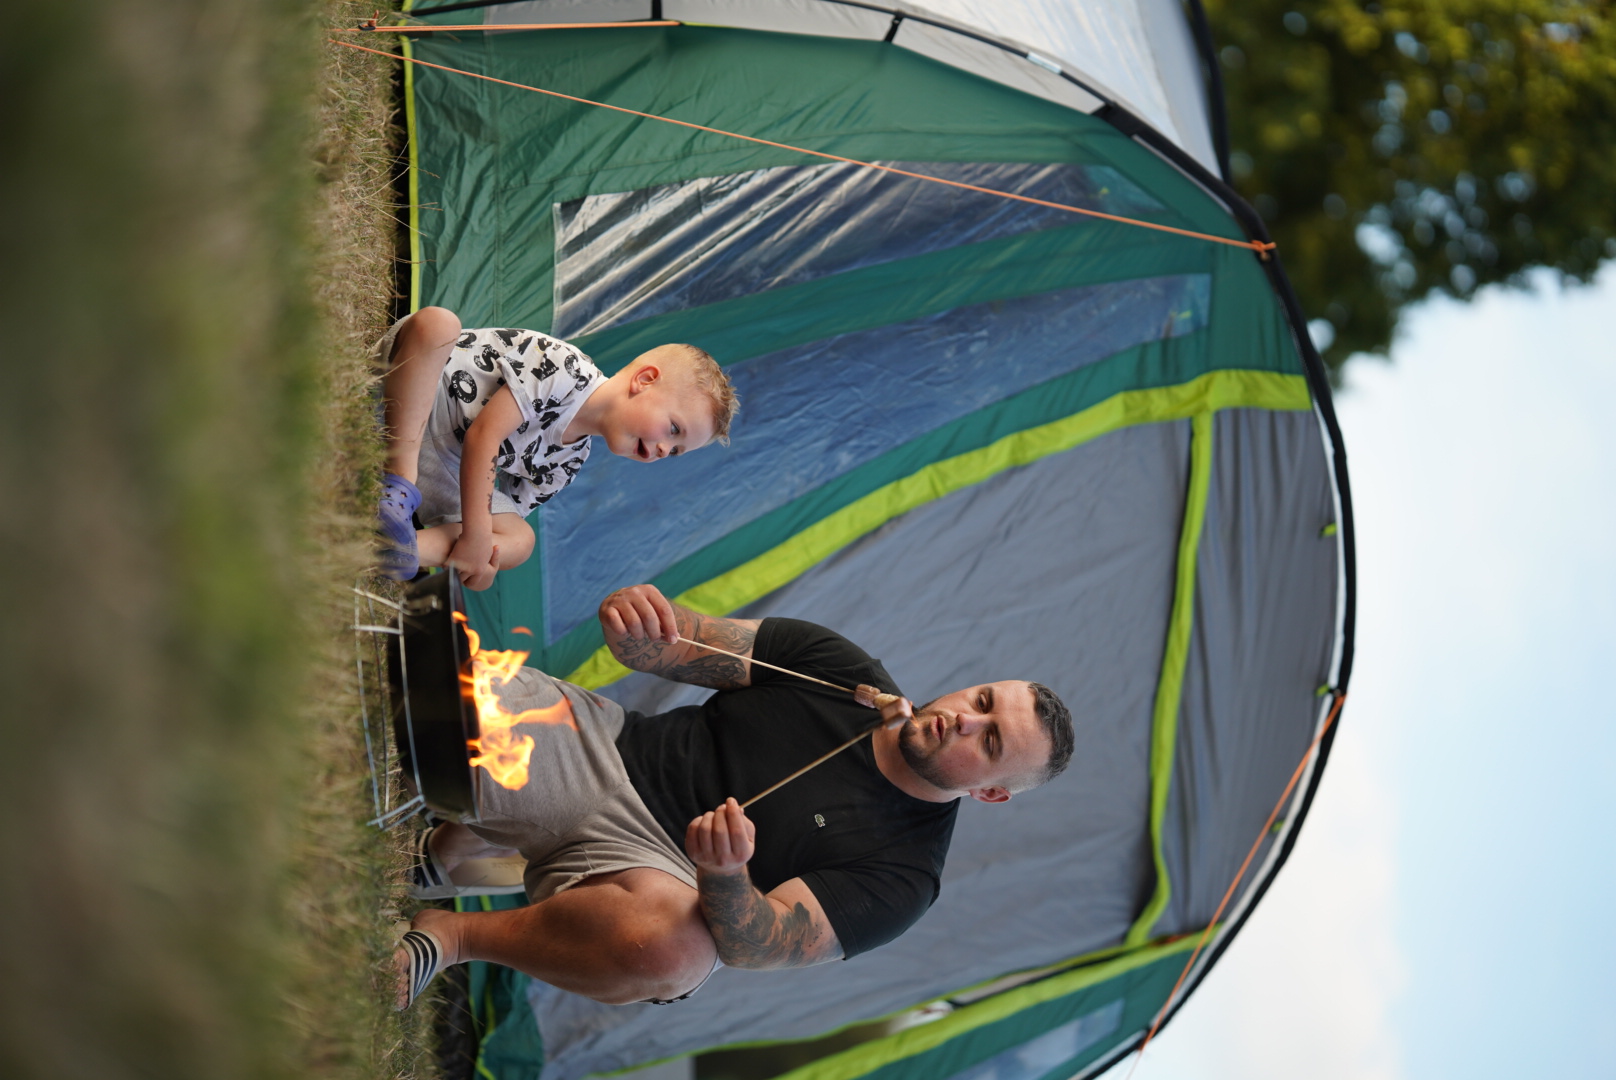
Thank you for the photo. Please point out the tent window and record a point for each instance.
(632, 255)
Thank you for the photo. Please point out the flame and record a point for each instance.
(504, 754)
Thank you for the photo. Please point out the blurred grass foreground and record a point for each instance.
(196, 248)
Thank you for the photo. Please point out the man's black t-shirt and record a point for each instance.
(872, 855)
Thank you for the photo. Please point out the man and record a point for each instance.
(645, 873)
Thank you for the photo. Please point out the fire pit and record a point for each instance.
(435, 719)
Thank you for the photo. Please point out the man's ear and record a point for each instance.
(644, 376)
(991, 794)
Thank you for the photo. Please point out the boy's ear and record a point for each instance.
(644, 376)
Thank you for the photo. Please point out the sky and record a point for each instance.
(1445, 911)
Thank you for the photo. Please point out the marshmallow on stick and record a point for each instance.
(872, 698)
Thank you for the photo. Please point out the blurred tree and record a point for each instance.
(1401, 147)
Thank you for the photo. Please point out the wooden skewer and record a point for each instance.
(867, 732)
(868, 696)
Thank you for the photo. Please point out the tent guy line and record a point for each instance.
(1261, 247)
(370, 26)
(1301, 767)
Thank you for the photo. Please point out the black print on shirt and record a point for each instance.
(545, 369)
(488, 359)
(465, 340)
(579, 379)
(463, 387)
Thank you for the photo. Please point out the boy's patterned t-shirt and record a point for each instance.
(550, 380)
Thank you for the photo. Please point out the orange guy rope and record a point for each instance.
(1259, 246)
(1335, 710)
(425, 28)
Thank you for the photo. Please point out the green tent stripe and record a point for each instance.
(1175, 657)
(913, 1042)
(774, 568)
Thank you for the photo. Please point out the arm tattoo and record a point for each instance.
(750, 934)
(700, 668)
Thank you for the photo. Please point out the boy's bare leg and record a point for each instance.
(512, 535)
(410, 382)
(616, 938)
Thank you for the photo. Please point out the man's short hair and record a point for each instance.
(710, 379)
(1057, 721)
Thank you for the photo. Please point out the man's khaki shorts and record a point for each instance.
(578, 814)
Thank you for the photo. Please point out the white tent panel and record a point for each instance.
(1139, 53)
(991, 62)
(784, 16)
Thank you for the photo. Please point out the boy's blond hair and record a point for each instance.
(702, 370)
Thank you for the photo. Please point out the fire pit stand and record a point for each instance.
(434, 718)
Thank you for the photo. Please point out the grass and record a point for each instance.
(199, 229)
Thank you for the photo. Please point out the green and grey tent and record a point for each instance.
(983, 438)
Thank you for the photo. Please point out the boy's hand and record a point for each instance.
(476, 558)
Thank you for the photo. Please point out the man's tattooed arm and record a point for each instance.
(647, 652)
(759, 934)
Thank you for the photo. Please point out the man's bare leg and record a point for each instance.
(410, 383)
(616, 938)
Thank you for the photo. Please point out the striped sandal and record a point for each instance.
(423, 957)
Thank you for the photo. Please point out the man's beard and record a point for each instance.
(915, 755)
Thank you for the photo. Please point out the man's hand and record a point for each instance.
(642, 629)
(640, 612)
(785, 929)
(476, 556)
(721, 841)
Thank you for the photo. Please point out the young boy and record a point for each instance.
(483, 426)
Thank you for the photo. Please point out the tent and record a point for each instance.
(985, 438)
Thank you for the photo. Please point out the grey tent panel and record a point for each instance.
(1265, 603)
(798, 437)
(1061, 571)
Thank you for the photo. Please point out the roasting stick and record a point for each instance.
(866, 695)
(818, 761)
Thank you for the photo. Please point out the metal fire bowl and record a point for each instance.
(434, 716)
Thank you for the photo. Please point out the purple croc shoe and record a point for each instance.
(394, 521)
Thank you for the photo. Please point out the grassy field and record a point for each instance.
(199, 241)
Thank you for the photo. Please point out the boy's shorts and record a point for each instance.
(439, 467)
